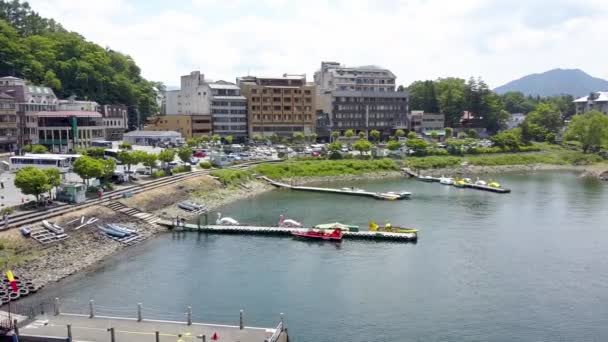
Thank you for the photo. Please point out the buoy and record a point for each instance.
(215, 337)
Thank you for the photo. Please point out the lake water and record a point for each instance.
(527, 266)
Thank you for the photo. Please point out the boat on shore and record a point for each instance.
(319, 234)
(112, 232)
(25, 231)
(52, 227)
(446, 180)
(335, 225)
(426, 178)
(389, 228)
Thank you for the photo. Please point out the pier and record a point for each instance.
(286, 232)
(54, 325)
(377, 195)
(430, 179)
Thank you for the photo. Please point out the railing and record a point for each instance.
(277, 333)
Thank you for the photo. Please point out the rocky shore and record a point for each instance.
(584, 170)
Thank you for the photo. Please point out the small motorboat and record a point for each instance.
(288, 223)
(320, 234)
(225, 221)
(460, 183)
(112, 232)
(25, 231)
(185, 206)
(196, 206)
(52, 227)
(494, 184)
(336, 225)
(121, 228)
(389, 228)
(426, 178)
(480, 182)
(446, 180)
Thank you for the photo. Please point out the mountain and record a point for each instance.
(573, 82)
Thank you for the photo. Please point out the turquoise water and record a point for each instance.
(525, 266)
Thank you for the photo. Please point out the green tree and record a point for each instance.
(419, 146)
(94, 152)
(393, 145)
(192, 142)
(216, 138)
(434, 135)
(229, 139)
(349, 133)
(127, 158)
(298, 137)
(455, 146)
(546, 116)
(516, 102)
(109, 165)
(448, 132)
(54, 179)
(87, 168)
(399, 133)
(590, 129)
(375, 135)
(32, 181)
(361, 135)
(36, 149)
(313, 138)
(471, 133)
(411, 135)
(335, 135)
(185, 153)
(205, 138)
(150, 161)
(258, 138)
(166, 156)
(362, 145)
(125, 146)
(423, 96)
(451, 98)
(335, 147)
(507, 140)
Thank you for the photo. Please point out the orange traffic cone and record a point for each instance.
(215, 337)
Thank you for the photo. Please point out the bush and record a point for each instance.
(320, 168)
(229, 177)
(181, 168)
(335, 156)
(158, 174)
(205, 165)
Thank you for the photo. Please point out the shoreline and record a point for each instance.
(84, 250)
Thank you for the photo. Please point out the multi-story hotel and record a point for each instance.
(8, 123)
(279, 105)
(115, 120)
(360, 98)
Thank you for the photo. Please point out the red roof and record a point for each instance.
(68, 113)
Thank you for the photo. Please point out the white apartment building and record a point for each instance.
(595, 101)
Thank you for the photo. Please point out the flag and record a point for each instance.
(11, 279)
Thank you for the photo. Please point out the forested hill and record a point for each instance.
(41, 51)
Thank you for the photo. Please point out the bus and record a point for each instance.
(112, 153)
(71, 158)
(101, 143)
(40, 161)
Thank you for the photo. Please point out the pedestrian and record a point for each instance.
(1, 183)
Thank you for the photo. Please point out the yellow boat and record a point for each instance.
(460, 183)
(388, 228)
(494, 184)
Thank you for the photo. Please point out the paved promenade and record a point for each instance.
(96, 329)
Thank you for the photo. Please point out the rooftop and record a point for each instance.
(223, 85)
(40, 90)
(152, 134)
(602, 96)
(68, 113)
(6, 96)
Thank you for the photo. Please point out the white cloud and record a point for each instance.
(417, 39)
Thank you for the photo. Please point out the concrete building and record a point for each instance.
(228, 110)
(427, 123)
(72, 104)
(66, 131)
(153, 138)
(279, 105)
(597, 101)
(191, 98)
(29, 99)
(189, 126)
(360, 98)
(515, 119)
(115, 120)
(8, 123)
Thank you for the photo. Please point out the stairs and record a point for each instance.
(133, 212)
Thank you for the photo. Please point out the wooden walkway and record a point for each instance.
(377, 195)
(280, 231)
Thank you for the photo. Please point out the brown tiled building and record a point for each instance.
(8, 123)
(279, 105)
(188, 125)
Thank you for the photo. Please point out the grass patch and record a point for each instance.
(230, 177)
(322, 168)
(14, 252)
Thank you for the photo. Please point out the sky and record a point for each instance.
(498, 40)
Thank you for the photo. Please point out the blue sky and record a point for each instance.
(499, 40)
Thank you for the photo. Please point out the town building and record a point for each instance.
(360, 98)
(115, 120)
(222, 100)
(153, 138)
(427, 123)
(67, 131)
(596, 101)
(29, 99)
(279, 105)
(8, 123)
(189, 126)
(228, 110)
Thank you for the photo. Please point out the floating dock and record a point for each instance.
(430, 179)
(280, 231)
(377, 195)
